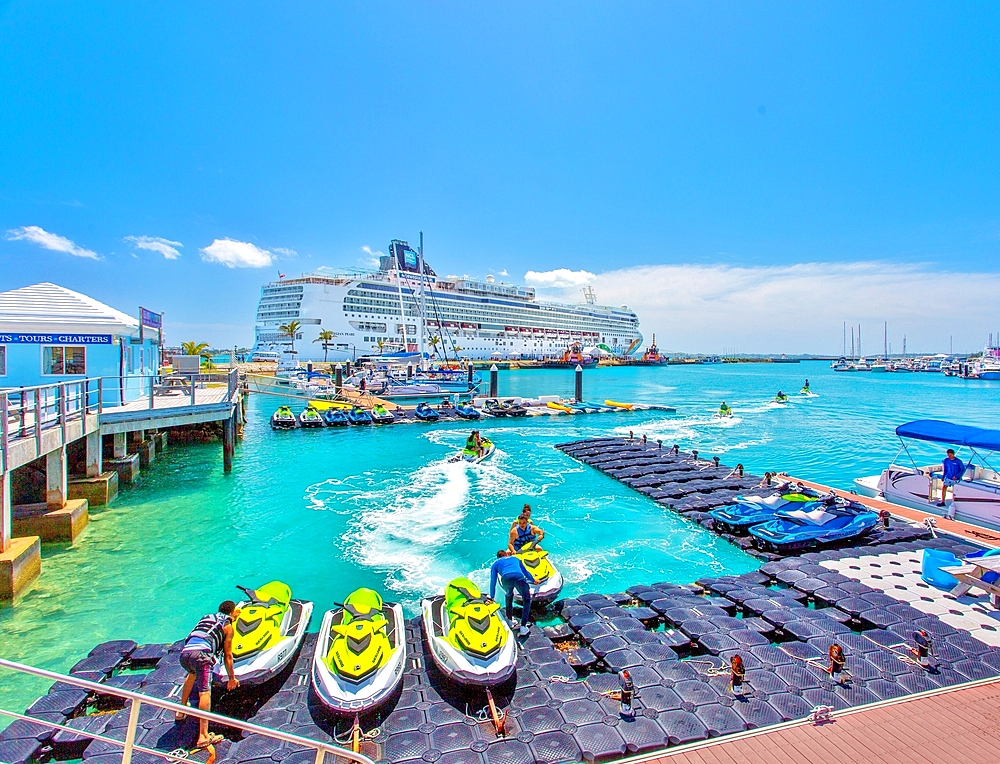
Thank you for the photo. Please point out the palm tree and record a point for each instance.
(325, 336)
(195, 348)
(290, 330)
(434, 341)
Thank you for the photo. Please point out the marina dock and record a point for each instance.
(112, 431)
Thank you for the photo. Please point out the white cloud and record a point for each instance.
(286, 252)
(165, 247)
(372, 257)
(560, 278)
(236, 254)
(798, 308)
(52, 241)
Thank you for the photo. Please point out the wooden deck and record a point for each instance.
(213, 402)
(949, 726)
(975, 533)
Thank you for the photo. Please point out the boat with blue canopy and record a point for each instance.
(975, 496)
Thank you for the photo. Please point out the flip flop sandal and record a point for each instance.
(212, 740)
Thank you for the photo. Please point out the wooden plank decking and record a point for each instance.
(952, 726)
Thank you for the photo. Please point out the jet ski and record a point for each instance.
(724, 410)
(360, 654)
(473, 456)
(425, 413)
(467, 411)
(754, 510)
(267, 634)
(335, 417)
(358, 415)
(382, 415)
(469, 641)
(780, 397)
(792, 530)
(492, 406)
(283, 419)
(548, 581)
(514, 409)
(310, 417)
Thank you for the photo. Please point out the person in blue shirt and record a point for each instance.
(513, 576)
(953, 469)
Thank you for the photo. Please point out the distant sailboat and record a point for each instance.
(882, 364)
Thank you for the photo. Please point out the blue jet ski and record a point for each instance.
(335, 417)
(467, 411)
(425, 413)
(753, 510)
(792, 530)
(358, 415)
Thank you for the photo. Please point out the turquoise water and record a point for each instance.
(328, 511)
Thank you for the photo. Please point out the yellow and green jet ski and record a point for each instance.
(310, 417)
(360, 654)
(780, 397)
(283, 419)
(469, 641)
(548, 581)
(473, 456)
(267, 634)
(724, 410)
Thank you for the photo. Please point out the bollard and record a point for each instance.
(579, 383)
(409, 371)
(338, 378)
(309, 367)
(494, 380)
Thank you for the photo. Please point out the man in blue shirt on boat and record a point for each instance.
(513, 576)
(952, 471)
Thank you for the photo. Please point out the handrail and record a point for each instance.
(321, 748)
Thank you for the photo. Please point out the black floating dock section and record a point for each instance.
(676, 641)
(693, 487)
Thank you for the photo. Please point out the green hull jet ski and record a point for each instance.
(468, 639)
(360, 654)
(267, 634)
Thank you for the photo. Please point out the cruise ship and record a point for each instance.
(404, 307)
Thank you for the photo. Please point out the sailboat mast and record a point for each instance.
(423, 304)
(844, 353)
(852, 343)
(859, 341)
(885, 340)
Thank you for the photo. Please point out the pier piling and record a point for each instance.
(579, 383)
(494, 380)
(228, 443)
(338, 383)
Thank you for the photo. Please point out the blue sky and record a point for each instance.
(739, 155)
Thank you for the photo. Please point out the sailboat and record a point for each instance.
(841, 364)
(882, 365)
(903, 366)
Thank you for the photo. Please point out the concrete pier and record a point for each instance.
(20, 564)
(63, 524)
(99, 491)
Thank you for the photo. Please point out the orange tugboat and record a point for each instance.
(652, 355)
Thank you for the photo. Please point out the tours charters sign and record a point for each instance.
(56, 339)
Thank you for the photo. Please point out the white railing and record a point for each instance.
(28, 412)
(129, 745)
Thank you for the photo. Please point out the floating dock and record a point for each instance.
(675, 640)
(693, 486)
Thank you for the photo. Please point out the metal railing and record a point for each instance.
(149, 386)
(28, 412)
(138, 700)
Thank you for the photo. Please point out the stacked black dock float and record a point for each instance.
(676, 641)
(693, 486)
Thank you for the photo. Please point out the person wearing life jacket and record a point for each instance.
(211, 639)
(523, 533)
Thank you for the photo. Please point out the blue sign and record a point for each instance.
(151, 319)
(55, 339)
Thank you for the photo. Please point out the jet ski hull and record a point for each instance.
(458, 666)
(266, 664)
(347, 698)
(546, 592)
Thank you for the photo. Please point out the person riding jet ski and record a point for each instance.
(469, 641)
(780, 397)
(725, 410)
(523, 533)
(360, 654)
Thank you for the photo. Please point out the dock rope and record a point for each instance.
(713, 670)
(345, 741)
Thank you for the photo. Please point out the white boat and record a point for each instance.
(988, 365)
(445, 317)
(975, 498)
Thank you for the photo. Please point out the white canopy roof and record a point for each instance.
(50, 308)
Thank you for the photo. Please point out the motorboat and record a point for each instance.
(358, 415)
(469, 642)
(548, 581)
(473, 456)
(797, 529)
(975, 498)
(748, 511)
(283, 419)
(360, 654)
(382, 415)
(310, 417)
(336, 417)
(425, 413)
(467, 411)
(267, 634)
